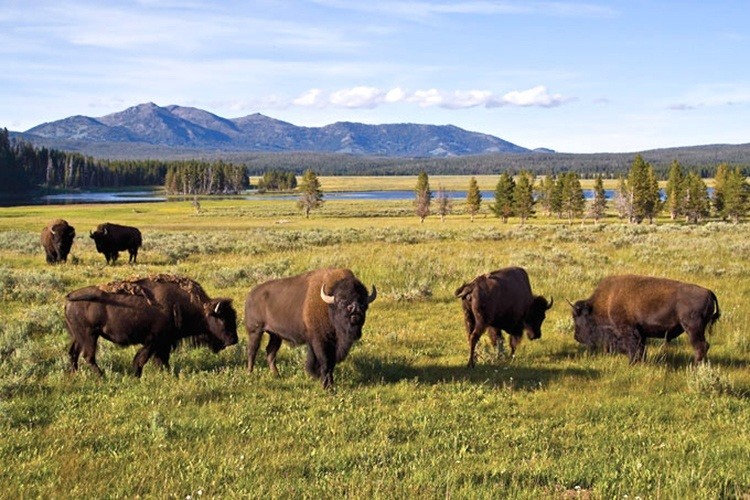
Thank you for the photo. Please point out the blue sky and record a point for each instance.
(582, 77)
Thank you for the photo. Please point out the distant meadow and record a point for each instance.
(407, 419)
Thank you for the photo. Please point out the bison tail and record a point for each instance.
(463, 290)
(717, 312)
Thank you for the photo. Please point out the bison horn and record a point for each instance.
(104, 231)
(551, 301)
(373, 295)
(91, 233)
(51, 230)
(328, 299)
(216, 309)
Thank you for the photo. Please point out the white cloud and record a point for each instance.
(371, 97)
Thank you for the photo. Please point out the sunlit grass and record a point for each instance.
(407, 419)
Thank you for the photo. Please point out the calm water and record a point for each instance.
(158, 196)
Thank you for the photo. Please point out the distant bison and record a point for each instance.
(502, 300)
(324, 309)
(111, 239)
(57, 238)
(157, 312)
(651, 307)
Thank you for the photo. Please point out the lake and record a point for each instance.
(158, 196)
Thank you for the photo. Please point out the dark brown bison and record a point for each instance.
(57, 238)
(111, 239)
(502, 300)
(324, 309)
(157, 312)
(652, 307)
(609, 338)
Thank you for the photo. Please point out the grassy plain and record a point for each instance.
(407, 419)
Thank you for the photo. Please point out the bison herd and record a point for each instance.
(325, 310)
(110, 240)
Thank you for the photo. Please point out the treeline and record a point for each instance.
(701, 160)
(198, 177)
(25, 168)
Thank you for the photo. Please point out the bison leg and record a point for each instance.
(133, 255)
(74, 351)
(254, 336)
(274, 342)
(514, 340)
(325, 356)
(161, 357)
(474, 337)
(312, 367)
(89, 354)
(140, 359)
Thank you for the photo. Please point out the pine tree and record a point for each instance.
(311, 195)
(444, 203)
(473, 198)
(653, 196)
(573, 201)
(423, 196)
(546, 189)
(599, 204)
(675, 190)
(503, 206)
(640, 189)
(523, 196)
(735, 196)
(556, 196)
(623, 200)
(696, 198)
(720, 180)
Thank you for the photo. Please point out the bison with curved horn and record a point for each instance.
(625, 310)
(502, 300)
(57, 239)
(111, 239)
(157, 312)
(323, 309)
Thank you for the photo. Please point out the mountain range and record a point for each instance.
(177, 128)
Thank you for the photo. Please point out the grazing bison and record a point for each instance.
(609, 338)
(110, 239)
(653, 307)
(157, 312)
(502, 300)
(324, 309)
(57, 238)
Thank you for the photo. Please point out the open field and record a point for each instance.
(407, 419)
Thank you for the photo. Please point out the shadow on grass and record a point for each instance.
(372, 371)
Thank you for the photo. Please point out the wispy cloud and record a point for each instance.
(371, 97)
(422, 10)
(713, 95)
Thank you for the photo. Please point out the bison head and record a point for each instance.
(535, 317)
(221, 319)
(100, 237)
(587, 331)
(347, 306)
(62, 236)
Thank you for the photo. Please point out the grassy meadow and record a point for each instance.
(407, 418)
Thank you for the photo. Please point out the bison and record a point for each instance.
(609, 338)
(323, 309)
(502, 300)
(57, 238)
(652, 307)
(157, 312)
(110, 239)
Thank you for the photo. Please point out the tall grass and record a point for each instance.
(407, 417)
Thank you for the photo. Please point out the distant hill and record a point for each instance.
(164, 131)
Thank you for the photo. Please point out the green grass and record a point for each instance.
(407, 418)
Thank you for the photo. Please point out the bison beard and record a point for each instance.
(324, 309)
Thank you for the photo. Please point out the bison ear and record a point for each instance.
(373, 295)
(328, 299)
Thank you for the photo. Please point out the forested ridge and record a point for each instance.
(25, 167)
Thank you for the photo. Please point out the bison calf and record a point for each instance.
(157, 312)
(651, 307)
(111, 239)
(608, 338)
(57, 239)
(502, 300)
(323, 309)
